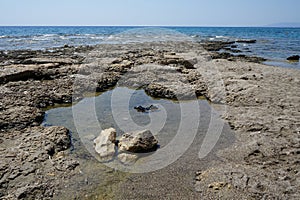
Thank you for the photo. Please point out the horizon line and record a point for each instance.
(69, 25)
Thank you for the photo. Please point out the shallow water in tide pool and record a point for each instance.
(115, 108)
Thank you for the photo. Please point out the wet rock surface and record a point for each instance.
(228, 51)
(262, 106)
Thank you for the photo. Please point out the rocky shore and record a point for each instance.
(262, 107)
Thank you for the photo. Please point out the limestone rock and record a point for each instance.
(141, 141)
(105, 143)
(57, 139)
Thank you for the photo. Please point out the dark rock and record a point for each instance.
(235, 50)
(241, 57)
(293, 58)
(146, 109)
(254, 59)
(189, 64)
(63, 55)
(223, 55)
(121, 67)
(216, 45)
(232, 50)
(247, 41)
(117, 61)
(160, 91)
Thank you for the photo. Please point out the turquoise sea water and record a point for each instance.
(275, 44)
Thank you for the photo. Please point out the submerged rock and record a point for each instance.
(146, 109)
(105, 143)
(294, 58)
(137, 142)
(127, 158)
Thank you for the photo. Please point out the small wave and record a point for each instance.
(97, 37)
(15, 39)
(111, 37)
(63, 38)
(49, 35)
(39, 39)
(12, 37)
(44, 37)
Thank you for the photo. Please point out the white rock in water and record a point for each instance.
(141, 141)
(105, 143)
(127, 159)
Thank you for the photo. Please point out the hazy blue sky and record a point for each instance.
(149, 12)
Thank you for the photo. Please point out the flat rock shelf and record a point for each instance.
(41, 162)
(120, 113)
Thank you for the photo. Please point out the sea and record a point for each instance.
(274, 44)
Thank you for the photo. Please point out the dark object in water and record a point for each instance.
(246, 41)
(294, 58)
(146, 109)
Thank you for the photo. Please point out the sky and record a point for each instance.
(149, 12)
